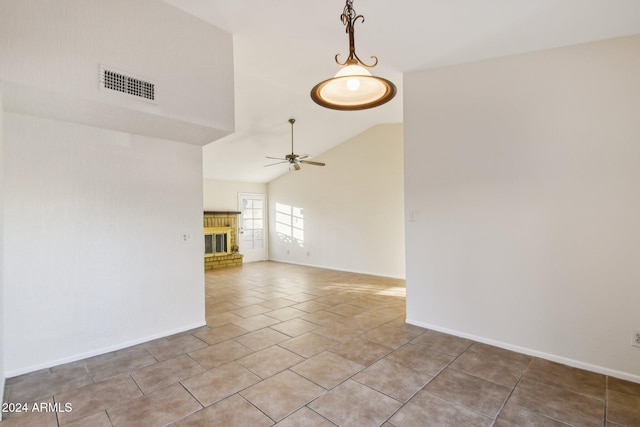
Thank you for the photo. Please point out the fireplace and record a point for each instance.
(217, 241)
(220, 244)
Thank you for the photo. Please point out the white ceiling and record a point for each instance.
(282, 48)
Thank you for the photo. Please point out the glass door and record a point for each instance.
(253, 227)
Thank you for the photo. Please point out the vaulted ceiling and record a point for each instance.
(282, 48)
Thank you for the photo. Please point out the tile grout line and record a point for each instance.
(606, 400)
(511, 393)
(428, 382)
(250, 403)
(522, 377)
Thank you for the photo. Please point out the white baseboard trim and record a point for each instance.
(548, 356)
(109, 349)
(335, 268)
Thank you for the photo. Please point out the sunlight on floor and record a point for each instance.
(393, 292)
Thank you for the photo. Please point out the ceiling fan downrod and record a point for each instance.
(292, 121)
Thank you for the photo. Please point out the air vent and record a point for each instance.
(114, 80)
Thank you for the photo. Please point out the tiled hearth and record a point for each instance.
(289, 346)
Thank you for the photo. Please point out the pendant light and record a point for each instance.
(353, 87)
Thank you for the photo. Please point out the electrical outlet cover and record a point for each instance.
(636, 338)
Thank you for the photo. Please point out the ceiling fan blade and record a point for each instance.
(274, 158)
(309, 162)
(278, 163)
(304, 156)
(296, 166)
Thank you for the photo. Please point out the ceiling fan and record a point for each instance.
(294, 159)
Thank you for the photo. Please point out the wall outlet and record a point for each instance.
(186, 237)
(636, 338)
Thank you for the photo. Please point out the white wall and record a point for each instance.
(94, 257)
(52, 52)
(347, 215)
(223, 195)
(2, 347)
(522, 174)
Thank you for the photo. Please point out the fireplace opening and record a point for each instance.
(217, 241)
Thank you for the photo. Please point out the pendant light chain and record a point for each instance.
(349, 18)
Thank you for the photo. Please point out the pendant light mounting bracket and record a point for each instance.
(349, 19)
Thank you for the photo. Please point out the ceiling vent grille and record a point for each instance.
(120, 82)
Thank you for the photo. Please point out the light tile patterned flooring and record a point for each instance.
(298, 346)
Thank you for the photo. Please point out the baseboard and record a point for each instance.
(109, 349)
(336, 269)
(547, 356)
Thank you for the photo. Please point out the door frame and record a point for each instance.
(265, 222)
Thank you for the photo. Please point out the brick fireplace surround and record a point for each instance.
(223, 219)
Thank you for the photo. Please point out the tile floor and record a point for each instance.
(295, 346)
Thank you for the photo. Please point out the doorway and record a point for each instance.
(253, 227)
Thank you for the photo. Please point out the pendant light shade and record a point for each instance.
(353, 87)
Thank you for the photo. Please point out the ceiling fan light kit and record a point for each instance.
(353, 87)
(294, 159)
